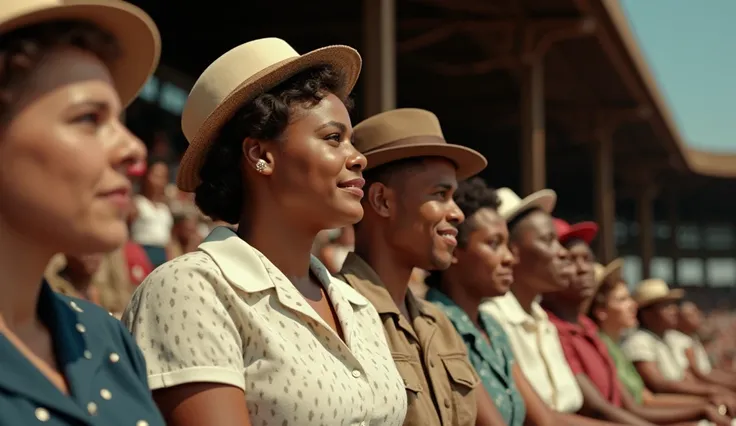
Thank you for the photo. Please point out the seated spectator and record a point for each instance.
(542, 266)
(588, 356)
(151, 226)
(689, 350)
(483, 268)
(185, 236)
(653, 359)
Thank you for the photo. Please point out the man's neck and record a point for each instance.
(564, 310)
(525, 295)
(389, 267)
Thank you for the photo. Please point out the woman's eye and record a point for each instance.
(91, 118)
(334, 137)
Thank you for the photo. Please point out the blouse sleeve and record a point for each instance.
(638, 347)
(184, 329)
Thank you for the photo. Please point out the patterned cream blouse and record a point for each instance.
(226, 314)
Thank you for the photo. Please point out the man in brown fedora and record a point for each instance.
(410, 222)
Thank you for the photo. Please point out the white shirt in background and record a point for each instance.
(538, 351)
(679, 342)
(153, 225)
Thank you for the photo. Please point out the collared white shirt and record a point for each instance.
(538, 352)
(645, 346)
(226, 314)
(680, 342)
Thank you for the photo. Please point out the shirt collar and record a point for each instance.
(455, 313)
(250, 270)
(513, 312)
(77, 345)
(366, 281)
(584, 325)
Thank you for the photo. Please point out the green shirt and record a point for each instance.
(492, 361)
(627, 373)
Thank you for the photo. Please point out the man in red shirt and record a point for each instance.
(585, 352)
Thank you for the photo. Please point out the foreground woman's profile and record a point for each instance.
(67, 69)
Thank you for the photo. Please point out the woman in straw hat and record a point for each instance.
(68, 68)
(614, 311)
(653, 359)
(249, 329)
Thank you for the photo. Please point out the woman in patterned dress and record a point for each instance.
(249, 329)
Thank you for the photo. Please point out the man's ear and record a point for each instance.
(381, 199)
(255, 150)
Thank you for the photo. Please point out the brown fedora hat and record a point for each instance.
(134, 31)
(240, 75)
(409, 133)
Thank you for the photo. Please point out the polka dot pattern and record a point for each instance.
(203, 317)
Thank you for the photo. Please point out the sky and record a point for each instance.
(690, 46)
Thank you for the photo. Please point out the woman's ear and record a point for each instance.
(257, 156)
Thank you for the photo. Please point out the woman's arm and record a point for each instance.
(657, 383)
(669, 399)
(488, 414)
(595, 403)
(672, 414)
(716, 376)
(537, 412)
(197, 404)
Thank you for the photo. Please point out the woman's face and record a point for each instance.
(157, 177)
(63, 158)
(619, 310)
(317, 173)
(485, 259)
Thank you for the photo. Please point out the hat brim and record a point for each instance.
(585, 231)
(613, 269)
(545, 200)
(342, 59)
(468, 162)
(673, 296)
(134, 31)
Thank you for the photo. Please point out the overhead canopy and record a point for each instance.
(461, 60)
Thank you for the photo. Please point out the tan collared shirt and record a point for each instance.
(431, 357)
(225, 314)
(538, 351)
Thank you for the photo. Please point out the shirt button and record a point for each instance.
(105, 394)
(114, 357)
(141, 423)
(356, 373)
(447, 403)
(508, 391)
(92, 408)
(42, 414)
(76, 307)
(88, 354)
(81, 328)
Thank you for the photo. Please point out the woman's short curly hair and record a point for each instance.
(220, 194)
(471, 196)
(22, 49)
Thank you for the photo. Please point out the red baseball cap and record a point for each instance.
(585, 231)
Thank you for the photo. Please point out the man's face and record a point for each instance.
(543, 262)
(422, 215)
(582, 285)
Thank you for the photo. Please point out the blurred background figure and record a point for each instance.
(151, 226)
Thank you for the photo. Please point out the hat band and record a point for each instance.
(411, 141)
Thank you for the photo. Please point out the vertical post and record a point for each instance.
(646, 224)
(379, 65)
(674, 222)
(533, 139)
(605, 196)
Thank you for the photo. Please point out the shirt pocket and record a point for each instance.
(407, 367)
(463, 380)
